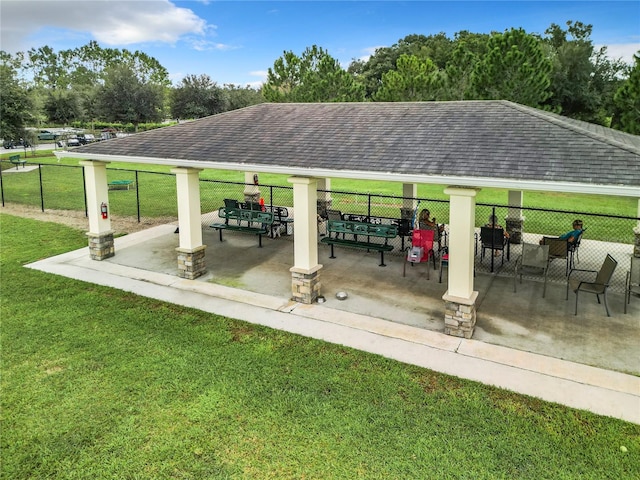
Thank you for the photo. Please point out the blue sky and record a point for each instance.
(236, 42)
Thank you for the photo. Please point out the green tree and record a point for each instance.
(315, 76)
(413, 80)
(127, 99)
(88, 65)
(240, 97)
(197, 96)
(514, 68)
(627, 101)
(456, 83)
(437, 48)
(63, 106)
(15, 103)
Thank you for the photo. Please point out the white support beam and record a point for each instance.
(188, 190)
(95, 179)
(409, 193)
(461, 241)
(324, 184)
(252, 187)
(515, 204)
(305, 232)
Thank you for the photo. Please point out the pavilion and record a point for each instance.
(466, 145)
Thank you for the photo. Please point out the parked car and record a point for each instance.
(48, 135)
(73, 142)
(15, 143)
(85, 138)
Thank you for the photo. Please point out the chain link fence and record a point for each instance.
(148, 195)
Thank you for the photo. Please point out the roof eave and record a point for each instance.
(463, 181)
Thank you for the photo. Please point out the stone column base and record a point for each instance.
(101, 245)
(460, 315)
(514, 229)
(191, 263)
(252, 195)
(305, 284)
(323, 206)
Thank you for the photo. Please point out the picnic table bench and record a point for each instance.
(355, 229)
(121, 184)
(255, 222)
(17, 160)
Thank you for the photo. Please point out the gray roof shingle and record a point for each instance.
(488, 139)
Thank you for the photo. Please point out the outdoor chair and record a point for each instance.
(573, 248)
(231, 203)
(534, 257)
(334, 215)
(438, 233)
(444, 261)
(558, 249)
(404, 228)
(421, 250)
(632, 284)
(598, 287)
(493, 239)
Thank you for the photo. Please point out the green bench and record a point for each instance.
(354, 229)
(17, 160)
(121, 184)
(255, 222)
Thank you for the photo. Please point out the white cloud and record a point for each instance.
(202, 45)
(625, 51)
(368, 52)
(113, 23)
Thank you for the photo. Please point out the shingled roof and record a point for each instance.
(477, 143)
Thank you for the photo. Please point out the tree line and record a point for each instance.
(560, 71)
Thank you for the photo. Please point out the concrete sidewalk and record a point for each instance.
(599, 390)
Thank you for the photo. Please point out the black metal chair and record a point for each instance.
(573, 249)
(333, 215)
(598, 287)
(493, 239)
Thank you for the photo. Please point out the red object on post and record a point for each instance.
(103, 210)
(262, 205)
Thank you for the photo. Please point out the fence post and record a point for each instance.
(137, 196)
(84, 192)
(1, 186)
(41, 189)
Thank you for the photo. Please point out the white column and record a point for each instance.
(462, 217)
(515, 205)
(95, 179)
(251, 189)
(324, 196)
(305, 232)
(188, 189)
(409, 193)
(324, 184)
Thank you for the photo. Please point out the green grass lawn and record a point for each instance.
(99, 383)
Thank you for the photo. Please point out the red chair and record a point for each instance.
(421, 249)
